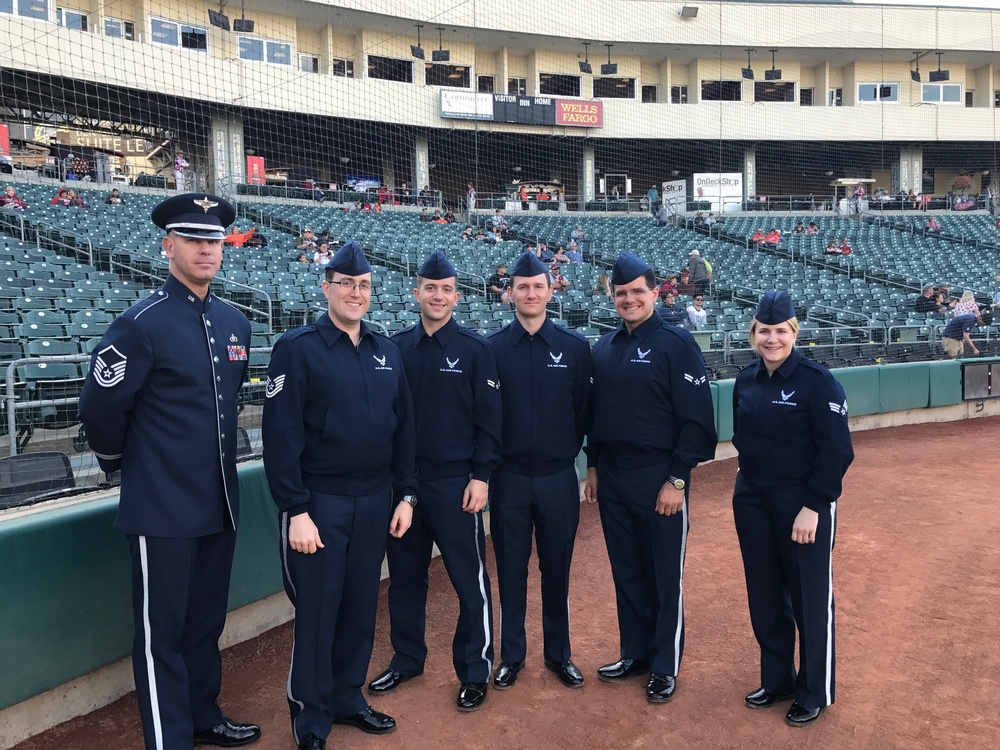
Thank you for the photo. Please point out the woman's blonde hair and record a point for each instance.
(792, 323)
(968, 296)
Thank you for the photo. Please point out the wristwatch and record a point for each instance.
(677, 483)
(411, 500)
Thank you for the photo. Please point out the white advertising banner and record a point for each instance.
(724, 191)
(466, 105)
(674, 195)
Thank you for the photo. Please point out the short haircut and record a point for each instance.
(792, 323)
(649, 277)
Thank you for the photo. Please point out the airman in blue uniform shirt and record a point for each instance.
(339, 453)
(456, 394)
(653, 422)
(161, 404)
(546, 371)
(791, 431)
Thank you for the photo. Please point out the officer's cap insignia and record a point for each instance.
(273, 387)
(205, 204)
(109, 367)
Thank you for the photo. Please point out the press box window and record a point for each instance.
(175, 34)
(265, 50)
(721, 91)
(517, 86)
(456, 76)
(887, 93)
(38, 9)
(774, 91)
(941, 93)
(614, 88)
(342, 68)
(486, 84)
(390, 69)
(308, 63)
(805, 97)
(553, 84)
(650, 94)
(71, 19)
(119, 29)
(835, 97)
(678, 94)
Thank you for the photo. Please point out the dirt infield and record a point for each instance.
(916, 570)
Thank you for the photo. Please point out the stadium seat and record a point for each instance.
(29, 477)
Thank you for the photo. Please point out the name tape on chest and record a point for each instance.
(109, 367)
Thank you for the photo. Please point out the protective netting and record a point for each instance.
(628, 122)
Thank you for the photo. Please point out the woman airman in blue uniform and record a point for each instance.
(791, 431)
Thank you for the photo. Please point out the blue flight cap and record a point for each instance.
(528, 265)
(775, 307)
(437, 267)
(197, 215)
(349, 260)
(628, 268)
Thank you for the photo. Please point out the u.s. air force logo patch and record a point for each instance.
(109, 367)
(273, 387)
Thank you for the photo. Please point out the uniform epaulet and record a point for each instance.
(497, 332)
(681, 333)
(571, 333)
(400, 332)
(474, 335)
(815, 366)
(296, 332)
(154, 297)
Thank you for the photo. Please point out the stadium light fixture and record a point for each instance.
(915, 73)
(748, 70)
(689, 11)
(585, 66)
(218, 18)
(774, 74)
(417, 51)
(243, 24)
(610, 68)
(938, 75)
(440, 54)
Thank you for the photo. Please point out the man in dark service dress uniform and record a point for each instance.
(339, 453)
(546, 371)
(653, 423)
(161, 405)
(456, 399)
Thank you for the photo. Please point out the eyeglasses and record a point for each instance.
(623, 293)
(349, 286)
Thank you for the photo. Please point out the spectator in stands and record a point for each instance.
(831, 248)
(578, 235)
(438, 218)
(11, 201)
(845, 247)
(559, 282)
(672, 312)
(669, 286)
(61, 198)
(500, 285)
(573, 253)
(498, 222)
(256, 239)
(74, 199)
(932, 224)
(560, 255)
(913, 198)
(480, 234)
(468, 233)
(944, 295)
(492, 237)
(426, 196)
(603, 286)
(180, 167)
(812, 228)
(449, 216)
(773, 237)
(115, 198)
(470, 198)
(522, 193)
(543, 253)
(302, 258)
(323, 255)
(967, 304)
(654, 200)
(800, 228)
(699, 220)
(758, 237)
(710, 221)
(996, 297)
(236, 238)
(955, 335)
(307, 241)
(699, 274)
(996, 224)
(927, 301)
(424, 216)
(697, 316)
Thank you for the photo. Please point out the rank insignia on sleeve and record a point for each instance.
(273, 386)
(109, 367)
(236, 353)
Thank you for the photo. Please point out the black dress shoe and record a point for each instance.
(312, 742)
(764, 698)
(228, 734)
(390, 679)
(471, 696)
(370, 721)
(506, 674)
(798, 716)
(660, 688)
(622, 669)
(567, 672)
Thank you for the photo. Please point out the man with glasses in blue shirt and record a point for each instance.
(340, 458)
(653, 423)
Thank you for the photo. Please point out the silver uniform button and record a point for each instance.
(222, 416)
(211, 341)
(208, 323)
(216, 359)
(223, 436)
(218, 378)
(220, 398)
